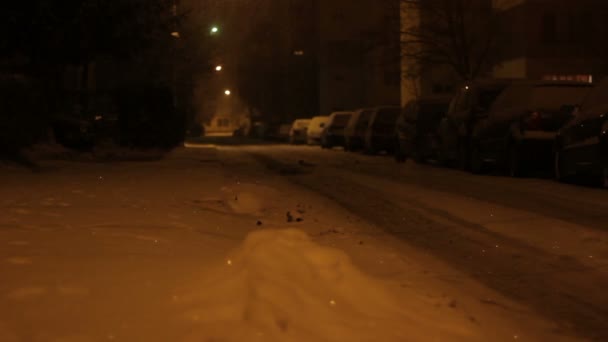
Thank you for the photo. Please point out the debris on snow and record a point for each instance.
(289, 217)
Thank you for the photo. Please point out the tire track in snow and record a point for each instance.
(560, 288)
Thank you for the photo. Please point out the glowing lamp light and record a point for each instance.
(227, 92)
(218, 68)
(215, 30)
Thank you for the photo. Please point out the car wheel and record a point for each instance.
(324, 143)
(477, 163)
(515, 166)
(558, 169)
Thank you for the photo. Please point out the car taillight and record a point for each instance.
(533, 120)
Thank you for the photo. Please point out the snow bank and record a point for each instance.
(281, 286)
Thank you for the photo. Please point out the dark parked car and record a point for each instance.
(582, 144)
(333, 134)
(416, 131)
(520, 128)
(354, 133)
(74, 132)
(380, 134)
(472, 99)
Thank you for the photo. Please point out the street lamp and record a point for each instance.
(215, 30)
(227, 92)
(218, 68)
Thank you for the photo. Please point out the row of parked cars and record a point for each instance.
(515, 126)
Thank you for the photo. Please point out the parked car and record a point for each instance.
(73, 132)
(581, 146)
(416, 129)
(315, 129)
(354, 133)
(471, 100)
(298, 131)
(278, 132)
(520, 128)
(333, 134)
(380, 133)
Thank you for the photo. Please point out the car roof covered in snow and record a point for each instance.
(538, 95)
(301, 123)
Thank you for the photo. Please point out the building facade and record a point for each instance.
(553, 39)
(536, 39)
(358, 54)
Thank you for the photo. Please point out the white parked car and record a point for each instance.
(315, 129)
(299, 131)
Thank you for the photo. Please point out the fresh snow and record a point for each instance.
(209, 244)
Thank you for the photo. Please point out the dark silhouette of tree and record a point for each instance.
(460, 34)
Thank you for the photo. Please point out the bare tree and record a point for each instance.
(460, 34)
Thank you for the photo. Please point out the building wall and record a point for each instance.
(358, 66)
(552, 38)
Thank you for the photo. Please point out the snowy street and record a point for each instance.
(296, 243)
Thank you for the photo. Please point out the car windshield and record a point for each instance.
(488, 96)
(341, 120)
(364, 118)
(387, 116)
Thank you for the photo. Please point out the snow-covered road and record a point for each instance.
(296, 243)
